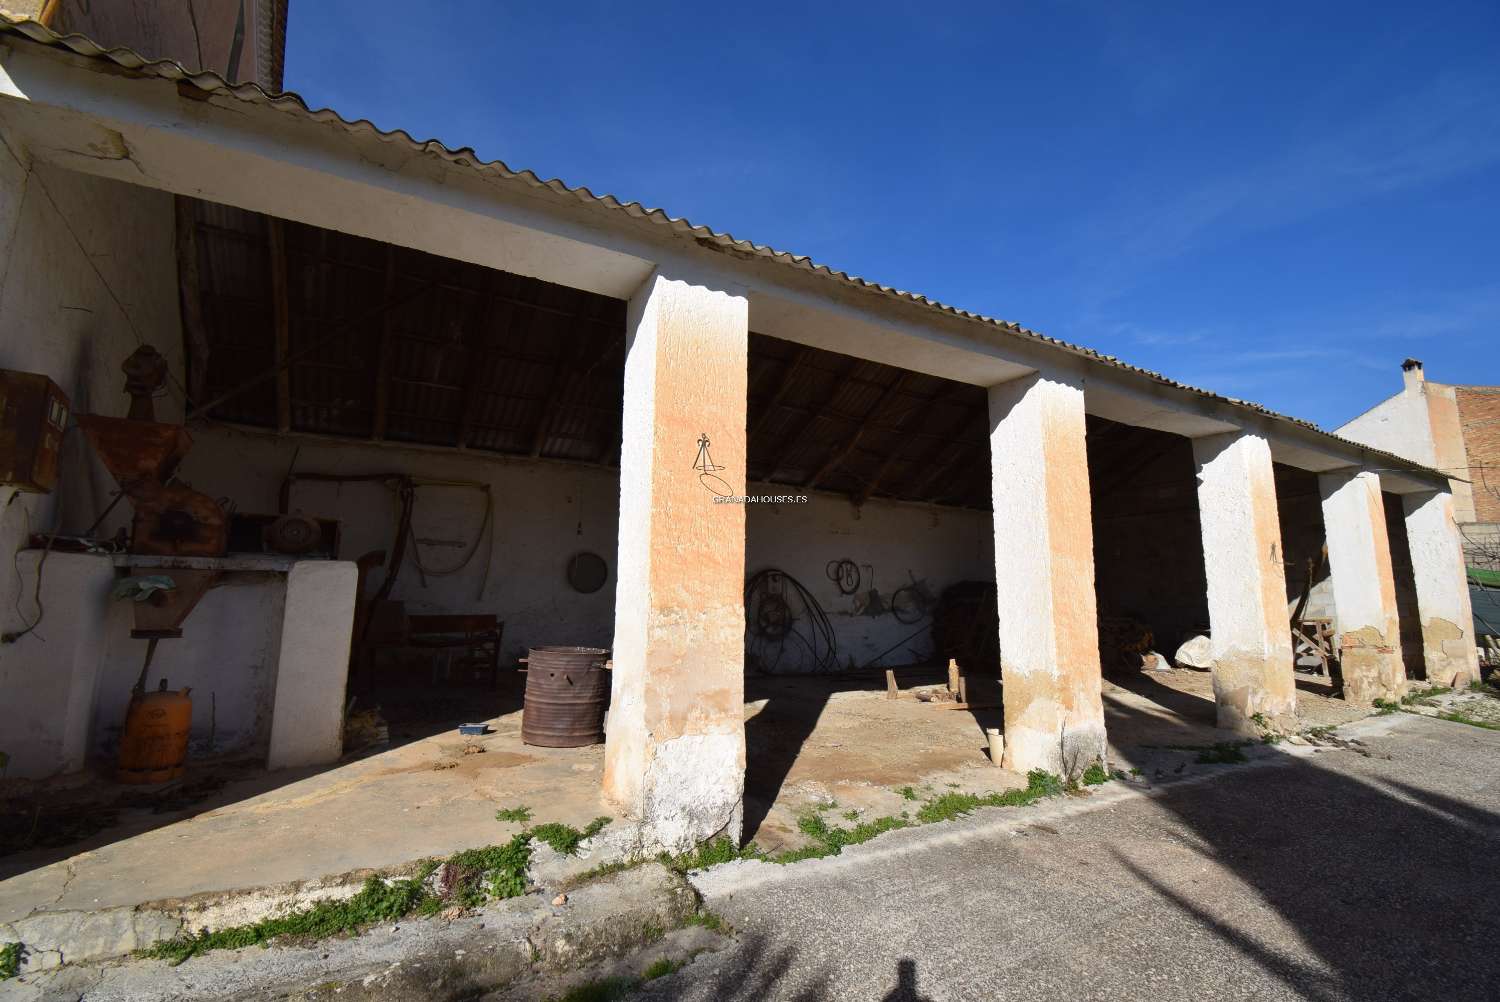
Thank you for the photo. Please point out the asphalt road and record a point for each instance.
(1327, 875)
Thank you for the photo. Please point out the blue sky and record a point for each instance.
(1278, 203)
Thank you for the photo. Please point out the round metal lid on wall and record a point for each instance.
(587, 572)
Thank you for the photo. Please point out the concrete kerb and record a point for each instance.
(482, 951)
(987, 822)
(55, 938)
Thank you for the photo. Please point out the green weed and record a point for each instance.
(660, 969)
(604, 870)
(907, 793)
(376, 901)
(1039, 784)
(515, 815)
(708, 920)
(10, 960)
(710, 853)
(469, 878)
(1095, 775)
(1458, 717)
(605, 990)
(1222, 753)
(565, 838)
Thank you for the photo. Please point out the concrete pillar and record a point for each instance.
(675, 747)
(1364, 590)
(307, 715)
(1250, 631)
(1437, 563)
(1044, 554)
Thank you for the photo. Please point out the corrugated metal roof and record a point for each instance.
(212, 83)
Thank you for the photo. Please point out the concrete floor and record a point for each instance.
(1321, 874)
(811, 741)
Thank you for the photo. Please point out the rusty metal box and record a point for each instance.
(33, 414)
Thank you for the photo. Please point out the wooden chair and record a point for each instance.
(475, 635)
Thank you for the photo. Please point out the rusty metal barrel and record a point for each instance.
(154, 744)
(567, 692)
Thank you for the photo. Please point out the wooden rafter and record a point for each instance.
(878, 478)
(788, 374)
(784, 447)
(387, 350)
(476, 344)
(281, 323)
(564, 364)
(832, 462)
(947, 459)
(190, 298)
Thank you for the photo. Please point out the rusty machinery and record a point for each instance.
(171, 519)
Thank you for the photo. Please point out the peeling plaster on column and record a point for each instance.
(1049, 642)
(1437, 562)
(1247, 602)
(675, 748)
(693, 789)
(1364, 589)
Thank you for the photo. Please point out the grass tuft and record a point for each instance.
(377, 901)
(468, 879)
(907, 793)
(708, 920)
(1039, 784)
(661, 968)
(10, 960)
(710, 853)
(1459, 717)
(516, 815)
(604, 990)
(565, 838)
(1095, 775)
(1222, 753)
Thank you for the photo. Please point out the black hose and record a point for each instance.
(845, 574)
(787, 631)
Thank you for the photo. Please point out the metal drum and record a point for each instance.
(567, 692)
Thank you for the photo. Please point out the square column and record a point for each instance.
(1437, 563)
(1250, 631)
(317, 626)
(675, 747)
(1044, 554)
(1364, 590)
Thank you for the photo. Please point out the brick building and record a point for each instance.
(1455, 429)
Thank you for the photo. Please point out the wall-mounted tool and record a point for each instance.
(33, 414)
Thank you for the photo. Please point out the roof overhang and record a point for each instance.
(68, 103)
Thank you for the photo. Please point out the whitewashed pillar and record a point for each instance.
(1250, 630)
(1364, 590)
(675, 748)
(1437, 563)
(1044, 553)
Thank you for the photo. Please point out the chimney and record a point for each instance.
(1411, 374)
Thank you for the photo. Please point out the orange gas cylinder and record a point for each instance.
(153, 746)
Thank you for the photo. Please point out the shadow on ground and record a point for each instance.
(44, 822)
(1348, 874)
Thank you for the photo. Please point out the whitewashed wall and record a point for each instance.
(940, 546)
(227, 655)
(544, 514)
(84, 260)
